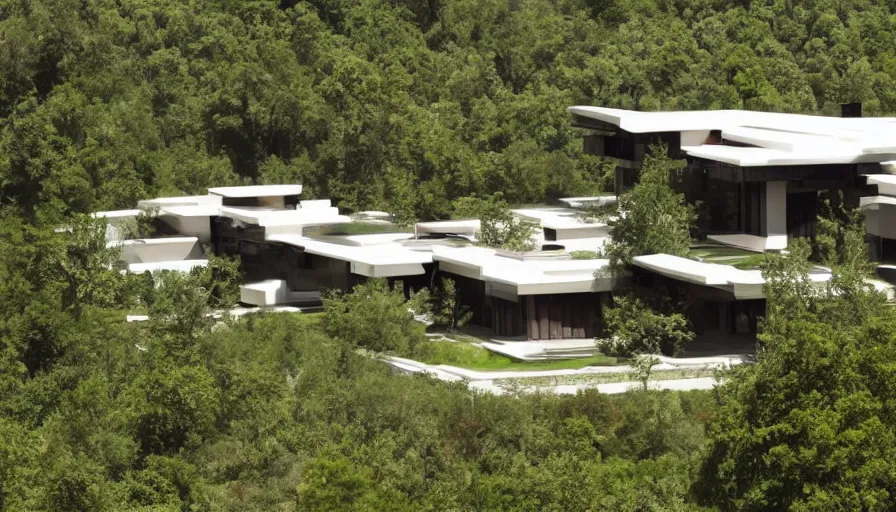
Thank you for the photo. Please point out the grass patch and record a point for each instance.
(749, 263)
(726, 255)
(584, 255)
(472, 357)
(707, 251)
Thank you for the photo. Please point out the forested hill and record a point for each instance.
(402, 104)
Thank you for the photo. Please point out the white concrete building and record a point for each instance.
(760, 179)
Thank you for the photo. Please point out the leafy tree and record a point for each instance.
(221, 278)
(637, 329)
(174, 405)
(652, 218)
(807, 425)
(373, 317)
(179, 306)
(447, 309)
(499, 228)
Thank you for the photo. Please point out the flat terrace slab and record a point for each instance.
(543, 350)
(606, 379)
(256, 191)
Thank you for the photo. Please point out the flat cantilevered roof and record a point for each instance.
(257, 191)
(743, 284)
(387, 259)
(268, 217)
(773, 138)
(525, 277)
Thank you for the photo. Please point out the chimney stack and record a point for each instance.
(850, 110)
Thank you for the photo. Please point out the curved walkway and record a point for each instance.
(571, 381)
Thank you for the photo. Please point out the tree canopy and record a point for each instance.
(651, 217)
(809, 425)
(395, 105)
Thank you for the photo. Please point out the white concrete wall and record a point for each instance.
(881, 222)
(776, 214)
(776, 207)
(315, 203)
(586, 231)
(694, 138)
(200, 227)
(264, 293)
(153, 250)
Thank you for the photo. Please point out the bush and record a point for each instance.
(584, 255)
(374, 317)
(499, 228)
(447, 310)
(221, 277)
(637, 329)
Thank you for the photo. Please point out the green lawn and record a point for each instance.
(472, 357)
(725, 255)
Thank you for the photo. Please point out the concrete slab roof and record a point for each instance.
(744, 284)
(379, 260)
(263, 216)
(199, 210)
(886, 183)
(780, 139)
(468, 226)
(560, 219)
(159, 202)
(257, 191)
(581, 202)
(527, 277)
(116, 214)
(874, 202)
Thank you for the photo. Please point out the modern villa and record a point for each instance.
(758, 178)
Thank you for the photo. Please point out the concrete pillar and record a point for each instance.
(776, 215)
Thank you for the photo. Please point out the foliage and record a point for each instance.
(141, 226)
(584, 255)
(413, 105)
(473, 357)
(643, 367)
(809, 425)
(373, 316)
(499, 227)
(652, 217)
(179, 305)
(221, 278)
(391, 104)
(447, 310)
(269, 412)
(636, 328)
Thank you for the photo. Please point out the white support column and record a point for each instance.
(776, 215)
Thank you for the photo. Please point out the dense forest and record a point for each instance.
(402, 105)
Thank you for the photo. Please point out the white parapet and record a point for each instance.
(311, 204)
(160, 202)
(172, 266)
(273, 292)
(190, 220)
(256, 191)
(264, 293)
(117, 222)
(457, 227)
(154, 250)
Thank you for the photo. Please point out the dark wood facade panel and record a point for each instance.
(535, 317)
